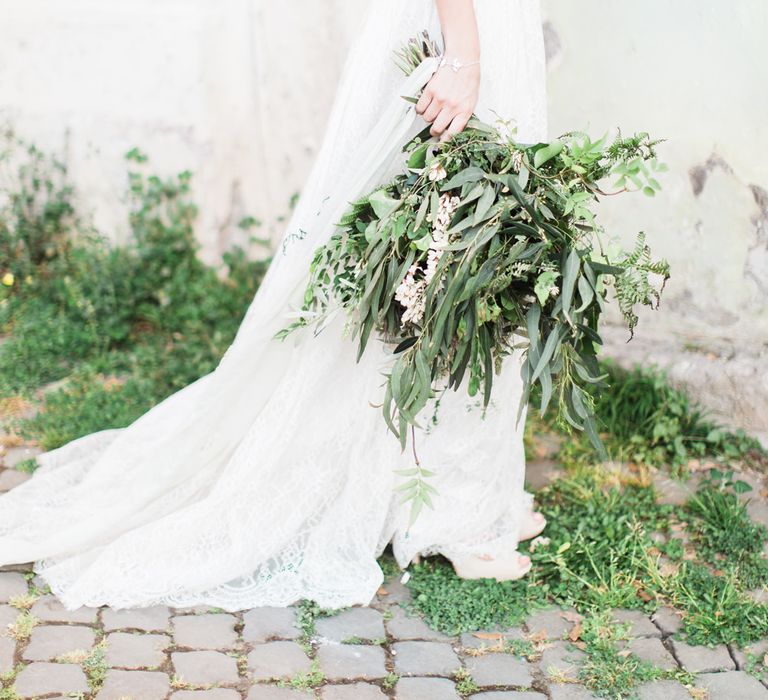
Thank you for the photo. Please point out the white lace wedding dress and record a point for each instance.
(271, 478)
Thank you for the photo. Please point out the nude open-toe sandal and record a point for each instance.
(470, 566)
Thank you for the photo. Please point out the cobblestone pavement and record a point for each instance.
(359, 654)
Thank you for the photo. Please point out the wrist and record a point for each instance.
(464, 46)
(456, 65)
(463, 54)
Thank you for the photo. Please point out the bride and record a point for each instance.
(272, 478)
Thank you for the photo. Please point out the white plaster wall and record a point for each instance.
(238, 91)
(693, 72)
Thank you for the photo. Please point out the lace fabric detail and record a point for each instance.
(271, 479)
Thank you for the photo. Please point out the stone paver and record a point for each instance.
(151, 619)
(673, 491)
(277, 660)
(652, 650)
(12, 584)
(271, 692)
(9, 478)
(757, 509)
(209, 631)
(7, 649)
(22, 568)
(355, 623)
(640, 624)
(550, 622)
(262, 624)
(14, 455)
(394, 592)
(202, 667)
(561, 660)
(425, 658)
(757, 649)
(486, 638)
(342, 661)
(212, 694)
(133, 650)
(499, 669)
(7, 615)
(48, 609)
(354, 691)
(49, 641)
(663, 690)
(489, 639)
(510, 695)
(732, 685)
(541, 472)
(136, 685)
(43, 678)
(701, 659)
(426, 689)
(568, 691)
(406, 627)
(667, 620)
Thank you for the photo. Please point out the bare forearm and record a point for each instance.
(459, 26)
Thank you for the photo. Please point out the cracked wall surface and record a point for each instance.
(690, 72)
(238, 91)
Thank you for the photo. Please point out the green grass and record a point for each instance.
(465, 684)
(608, 670)
(453, 605)
(725, 537)
(644, 419)
(79, 309)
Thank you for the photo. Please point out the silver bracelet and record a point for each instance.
(455, 64)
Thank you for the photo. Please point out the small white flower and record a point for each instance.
(520, 268)
(411, 293)
(517, 161)
(538, 542)
(436, 172)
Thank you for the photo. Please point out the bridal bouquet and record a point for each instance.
(482, 243)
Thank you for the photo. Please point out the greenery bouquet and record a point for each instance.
(483, 244)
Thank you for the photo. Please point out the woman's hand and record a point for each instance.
(449, 99)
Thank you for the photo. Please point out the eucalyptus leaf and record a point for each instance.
(383, 203)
